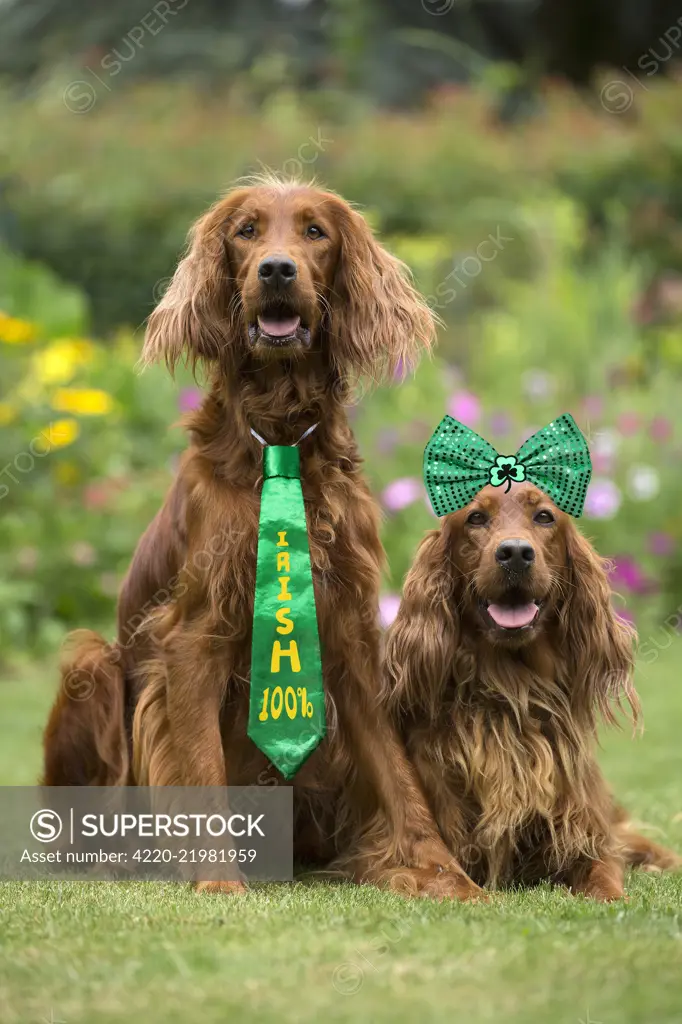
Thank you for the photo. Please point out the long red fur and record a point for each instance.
(170, 697)
(503, 732)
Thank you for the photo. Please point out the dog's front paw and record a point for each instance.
(436, 883)
(441, 875)
(451, 884)
(602, 893)
(233, 888)
(454, 885)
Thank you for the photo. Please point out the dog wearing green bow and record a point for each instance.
(505, 654)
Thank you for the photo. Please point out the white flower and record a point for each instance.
(538, 384)
(606, 443)
(643, 483)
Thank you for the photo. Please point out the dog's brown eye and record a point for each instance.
(248, 231)
(544, 517)
(314, 232)
(477, 519)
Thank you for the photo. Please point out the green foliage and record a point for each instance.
(86, 447)
(552, 298)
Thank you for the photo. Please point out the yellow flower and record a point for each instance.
(15, 332)
(8, 413)
(57, 435)
(58, 363)
(671, 345)
(67, 473)
(83, 401)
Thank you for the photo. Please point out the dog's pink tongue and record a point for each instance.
(279, 328)
(512, 617)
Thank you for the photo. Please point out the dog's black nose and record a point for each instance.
(277, 271)
(515, 555)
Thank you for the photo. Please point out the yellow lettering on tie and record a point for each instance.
(278, 653)
(283, 561)
(282, 542)
(284, 594)
(287, 625)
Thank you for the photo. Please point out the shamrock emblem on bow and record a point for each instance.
(507, 469)
(459, 463)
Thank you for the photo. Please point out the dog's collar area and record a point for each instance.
(306, 433)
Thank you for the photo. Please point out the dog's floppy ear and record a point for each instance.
(599, 644)
(422, 642)
(192, 322)
(379, 322)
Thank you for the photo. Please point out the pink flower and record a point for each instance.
(388, 609)
(593, 405)
(602, 462)
(97, 494)
(500, 424)
(401, 492)
(603, 499)
(626, 573)
(660, 428)
(465, 407)
(190, 399)
(628, 423)
(661, 544)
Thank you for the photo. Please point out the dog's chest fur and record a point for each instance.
(520, 778)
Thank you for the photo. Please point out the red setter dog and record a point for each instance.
(503, 655)
(285, 298)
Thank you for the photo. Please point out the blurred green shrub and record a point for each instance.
(105, 196)
(86, 455)
(558, 277)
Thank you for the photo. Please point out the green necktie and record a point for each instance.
(286, 711)
(458, 464)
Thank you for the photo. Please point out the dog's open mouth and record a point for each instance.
(279, 327)
(511, 616)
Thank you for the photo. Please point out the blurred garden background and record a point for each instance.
(524, 157)
(527, 165)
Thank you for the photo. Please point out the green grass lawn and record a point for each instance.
(150, 953)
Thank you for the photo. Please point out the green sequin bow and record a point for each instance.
(458, 464)
(286, 707)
